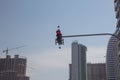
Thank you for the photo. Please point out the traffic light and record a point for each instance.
(59, 39)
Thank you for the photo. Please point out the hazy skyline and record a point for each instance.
(34, 22)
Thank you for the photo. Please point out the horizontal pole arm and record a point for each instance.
(100, 34)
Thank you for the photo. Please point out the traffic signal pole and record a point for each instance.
(100, 34)
(60, 41)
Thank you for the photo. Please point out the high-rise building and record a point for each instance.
(112, 58)
(118, 61)
(96, 71)
(13, 68)
(117, 11)
(78, 66)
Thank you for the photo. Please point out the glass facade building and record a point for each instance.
(78, 66)
(112, 58)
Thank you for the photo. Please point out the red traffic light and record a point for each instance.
(58, 32)
(59, 39)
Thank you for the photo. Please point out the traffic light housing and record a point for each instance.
(59, 39)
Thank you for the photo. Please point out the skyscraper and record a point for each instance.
(112, 58)
(117, 11)
(78, 66)
(13, 68)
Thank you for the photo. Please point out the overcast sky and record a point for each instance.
(34, 22)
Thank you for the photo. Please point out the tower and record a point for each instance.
(112, 57)
(117, 12)
(78, 66)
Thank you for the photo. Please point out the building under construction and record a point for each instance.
(13, 68)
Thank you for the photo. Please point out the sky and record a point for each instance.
(34, 22)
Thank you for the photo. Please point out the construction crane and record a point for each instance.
(6, 51)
